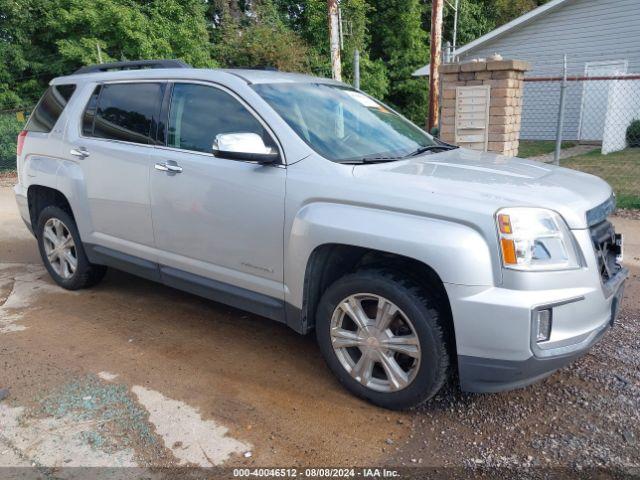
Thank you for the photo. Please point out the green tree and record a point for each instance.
(40, 39)
(504, 11)
(309, 20)
(475, 18)
(259, 38)
(399, 40)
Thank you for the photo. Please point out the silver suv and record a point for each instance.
(310, 203)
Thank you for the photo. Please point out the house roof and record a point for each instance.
(502, 30)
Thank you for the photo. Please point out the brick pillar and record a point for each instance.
(505, 78)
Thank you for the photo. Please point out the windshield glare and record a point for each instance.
(342, 124)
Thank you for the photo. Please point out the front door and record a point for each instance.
(217, 219)
(595, 101)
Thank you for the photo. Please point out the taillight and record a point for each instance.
(21, 136)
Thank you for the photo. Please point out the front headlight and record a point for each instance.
(535, 239)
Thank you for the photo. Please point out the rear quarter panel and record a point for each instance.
(45, 162)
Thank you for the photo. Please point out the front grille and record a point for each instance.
(603, 236)
(600, 213)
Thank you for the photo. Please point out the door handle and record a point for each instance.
(79, 152)
(168, 167)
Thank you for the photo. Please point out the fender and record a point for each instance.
(65, 176)
(457, 252)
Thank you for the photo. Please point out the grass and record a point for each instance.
(620, 169)
(533, 148)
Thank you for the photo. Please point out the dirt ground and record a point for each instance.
(131, 373)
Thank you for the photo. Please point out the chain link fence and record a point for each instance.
(586, 115)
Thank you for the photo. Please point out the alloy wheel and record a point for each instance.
(375, 342)
(60, 248)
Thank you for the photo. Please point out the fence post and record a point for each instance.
(563, 87)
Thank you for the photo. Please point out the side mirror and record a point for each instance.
(243, 146)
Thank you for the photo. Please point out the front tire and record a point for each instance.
(62, 251)
(383, 337)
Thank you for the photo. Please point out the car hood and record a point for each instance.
(495, 180)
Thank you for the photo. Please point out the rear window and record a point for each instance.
(125, 111)
(49, 108)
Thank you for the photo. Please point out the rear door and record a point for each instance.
(113, 149)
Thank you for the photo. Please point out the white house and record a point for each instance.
(601, 39)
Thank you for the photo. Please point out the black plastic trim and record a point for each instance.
(260, 304)
(295, 320)
(133, 65)
(488, 375)
(224, 293)
(122, 261)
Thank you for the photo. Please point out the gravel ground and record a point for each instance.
(584, 416)
(8, 179)
(627, 213)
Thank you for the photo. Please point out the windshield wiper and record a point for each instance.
(365, 160)
(431, 148)
(384, 159)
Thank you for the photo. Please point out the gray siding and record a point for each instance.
(587, 31)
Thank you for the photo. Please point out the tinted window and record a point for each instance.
(49, 108)
(128, 111)
(90, 112)
(199, 113)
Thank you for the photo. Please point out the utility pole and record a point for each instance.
(434, 77)
(356, 69)
(455, 25)
(334, 38)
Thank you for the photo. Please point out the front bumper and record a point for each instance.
(485, 375)
(495, 336)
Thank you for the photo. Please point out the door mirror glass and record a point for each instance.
(243, 146)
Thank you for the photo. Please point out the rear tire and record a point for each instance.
(62, 251)
(402, 337)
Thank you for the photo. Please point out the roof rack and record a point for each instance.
(133, 65)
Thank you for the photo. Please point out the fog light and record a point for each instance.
(544, 325)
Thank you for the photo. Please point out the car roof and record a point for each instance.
(250, 76)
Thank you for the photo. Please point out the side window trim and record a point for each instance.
(161, 137)
(152, 138)
(235, 96)
(81, 132)
(95, 113)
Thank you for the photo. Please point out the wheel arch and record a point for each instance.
(40, 196)
(326, 238)
(331, 261)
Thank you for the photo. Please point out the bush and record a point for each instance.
(9, 129)
(633, 134)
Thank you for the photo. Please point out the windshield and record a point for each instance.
(342, 124)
